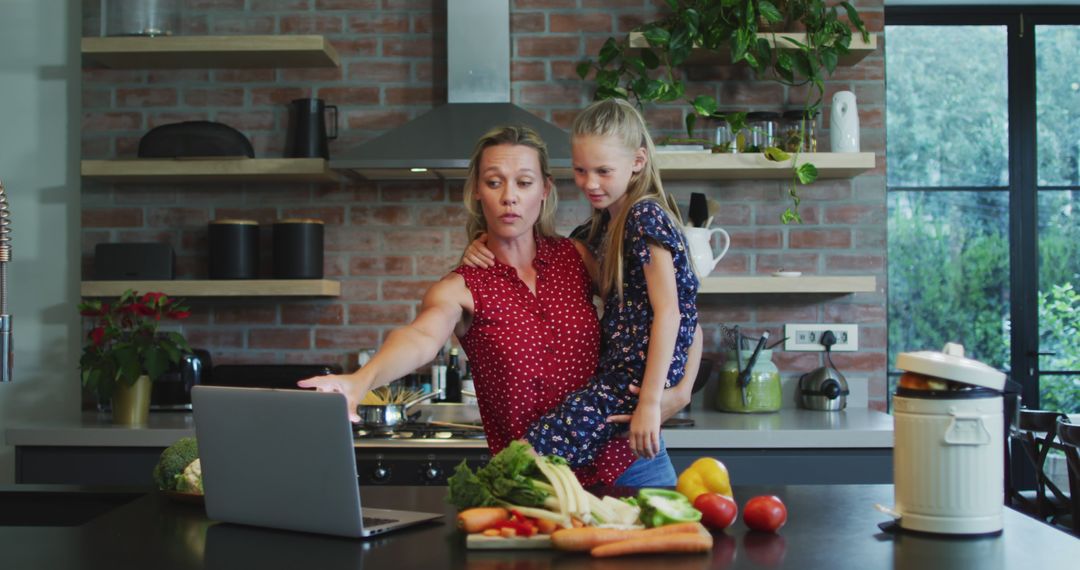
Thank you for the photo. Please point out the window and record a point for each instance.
(983, 151)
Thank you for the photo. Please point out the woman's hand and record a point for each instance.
(354, 388)
(672, 401)
(645, 431)
(477, 254)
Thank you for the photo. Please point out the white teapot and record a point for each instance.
(702, 253)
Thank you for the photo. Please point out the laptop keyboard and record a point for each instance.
(376, 521)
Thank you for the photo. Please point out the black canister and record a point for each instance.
(233, 249)
(298, 248)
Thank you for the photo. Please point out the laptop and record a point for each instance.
(284, 459)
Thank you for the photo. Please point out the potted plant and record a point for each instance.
(126, 352)
(649, 74)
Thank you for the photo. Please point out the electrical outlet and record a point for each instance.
(807, 337)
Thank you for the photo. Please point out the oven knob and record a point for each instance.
(380, 473)
(432, 472)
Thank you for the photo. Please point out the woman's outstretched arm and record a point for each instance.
(406, 348)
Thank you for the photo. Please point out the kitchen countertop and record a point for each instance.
(788, 428)
(828, 527)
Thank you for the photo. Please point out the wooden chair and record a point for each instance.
(1037, 435)
(1069, 435)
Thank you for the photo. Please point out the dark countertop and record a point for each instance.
(832, 527)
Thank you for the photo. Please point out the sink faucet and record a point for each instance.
(6, 344)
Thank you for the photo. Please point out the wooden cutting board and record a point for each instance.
(481, 542)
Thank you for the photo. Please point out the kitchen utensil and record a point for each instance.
(762, 391)
(702, 253)
(172, 390)
(775, 344)
(744, 375)
(824, 388)
(233, 249)
(714, 209)
(699, 210)
(307, 136)
(844, 124)
(389, 415)
(141, 17)
(948, 454)
(195, 139)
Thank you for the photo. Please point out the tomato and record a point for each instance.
(765, 513)
(717, 511)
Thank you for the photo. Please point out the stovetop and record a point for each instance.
(422, 431)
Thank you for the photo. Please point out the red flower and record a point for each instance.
(98, 336)
(151, 298)
(179, 314)
(144, 310)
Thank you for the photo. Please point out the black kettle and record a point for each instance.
(307, 136)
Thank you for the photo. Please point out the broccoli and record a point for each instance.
(170, 466)
(190, 481)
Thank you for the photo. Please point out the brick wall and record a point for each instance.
(387, 242)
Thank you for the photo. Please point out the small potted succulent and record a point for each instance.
(126, 352)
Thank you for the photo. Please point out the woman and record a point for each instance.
(527, 324)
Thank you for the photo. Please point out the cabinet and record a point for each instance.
(177, 52)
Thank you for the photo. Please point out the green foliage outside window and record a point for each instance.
(949, 281)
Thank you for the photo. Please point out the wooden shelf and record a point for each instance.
(857, 50)
(706, 165)
(805, 284)
(207, 170)
(218, 288)
(191, 52)
(702, 165)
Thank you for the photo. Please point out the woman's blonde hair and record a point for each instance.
(619, 119)
(511, 135)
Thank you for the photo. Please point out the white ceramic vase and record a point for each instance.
(844, 125)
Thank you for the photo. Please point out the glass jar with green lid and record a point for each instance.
(762, 393)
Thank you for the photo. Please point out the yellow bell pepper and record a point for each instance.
(706, 475)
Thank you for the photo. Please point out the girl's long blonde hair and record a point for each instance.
(619, 119)
(512, 135)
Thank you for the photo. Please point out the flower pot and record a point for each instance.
(131, 404)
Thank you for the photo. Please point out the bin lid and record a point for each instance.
(951, 364)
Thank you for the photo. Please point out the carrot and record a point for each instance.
(587, 538)
(481, 518)
(678, 542)
(546, 526)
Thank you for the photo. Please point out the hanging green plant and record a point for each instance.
(747, 29)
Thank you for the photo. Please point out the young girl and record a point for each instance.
(645, 279)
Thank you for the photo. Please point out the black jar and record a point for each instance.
(298, 248)
(233, 248)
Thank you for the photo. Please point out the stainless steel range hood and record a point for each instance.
(440, 142)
